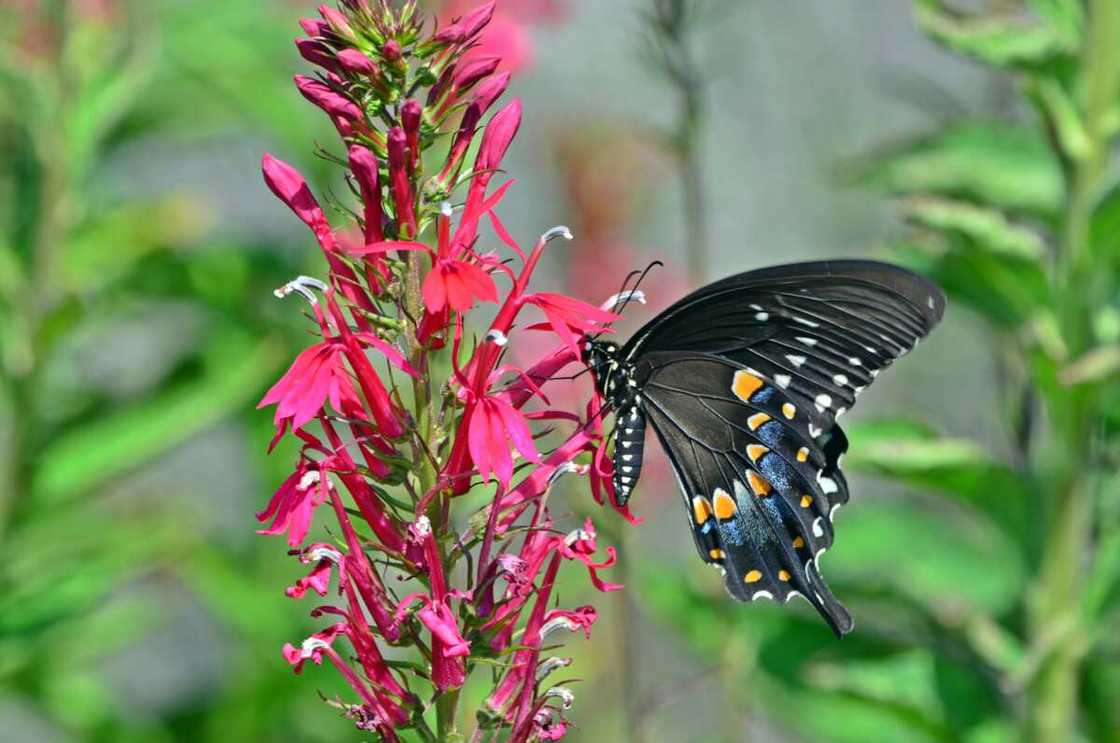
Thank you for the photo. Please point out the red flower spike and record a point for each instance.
(340, 380)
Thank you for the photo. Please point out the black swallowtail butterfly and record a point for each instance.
(742, 381)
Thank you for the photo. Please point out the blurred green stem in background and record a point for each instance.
(1056, 615)
(672, 23)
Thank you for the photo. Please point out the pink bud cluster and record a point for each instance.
(398, 409)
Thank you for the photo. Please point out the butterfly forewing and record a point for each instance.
(821, 330)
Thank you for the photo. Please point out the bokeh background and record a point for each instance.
(138, 330)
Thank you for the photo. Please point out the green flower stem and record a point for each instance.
(447, 705)
(1055, 619)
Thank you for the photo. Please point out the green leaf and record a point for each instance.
(1096, 365)
(987, 229)
(999, 164)
(995, 40)
(1066, 17)
(1060, 110)
(1105, 227)
(236, 369)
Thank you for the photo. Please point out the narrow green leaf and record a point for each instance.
(1064, 118)
(105, 449)
(999, 164)
(996, 40)
(1096, 365)
(988, 229)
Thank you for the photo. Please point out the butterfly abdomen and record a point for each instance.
(629, 445)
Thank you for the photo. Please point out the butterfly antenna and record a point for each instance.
(634, 292)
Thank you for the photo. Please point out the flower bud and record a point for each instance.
(391, 50)
(364, 167)
(313, 27)
(354, 61)
(475, 70)
(490, 91)
(411, 111)
(397, 145)
(337, 21)
(477, 19)
(498, 136)
(452, 34)
(315, 53)
(327, 99)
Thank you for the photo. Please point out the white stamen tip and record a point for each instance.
(423, 526)
(302, 285)
(310, 645)
(633, 295)
(497, 337)
(324, 553)
(548, 665)
(445, 209)
(555, 232)
(564, 694)
(568, 468)
(310, 478)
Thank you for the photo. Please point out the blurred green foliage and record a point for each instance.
(128, 327)
(989, 595)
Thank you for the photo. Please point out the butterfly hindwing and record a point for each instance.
(751, 474)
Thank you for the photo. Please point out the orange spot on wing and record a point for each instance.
(746, 384)
(754, 451)
(754, 576)
(783, 575)
(803, 454)
(758, 483)
(724, 505)
(701, 509)
(798, 543)
(716, 554)
(806, 501)
(789, 410)
(757, 420)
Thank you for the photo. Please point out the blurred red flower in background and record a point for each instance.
(508, 36)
